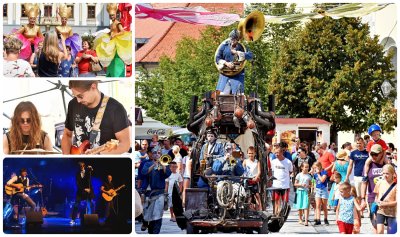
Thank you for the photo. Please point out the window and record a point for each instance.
(5, 8)
(91, 14)
(72, 10)
(23, 11)
(48, 10)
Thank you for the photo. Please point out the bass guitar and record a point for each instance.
(81, 150)
(19, 189)
(113, 193)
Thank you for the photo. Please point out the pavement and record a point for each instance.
(291, 226)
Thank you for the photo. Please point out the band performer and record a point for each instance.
(228, 53)
(84, 190)
(96, 118)
(25, 131)
(20, 196)
(105, 188)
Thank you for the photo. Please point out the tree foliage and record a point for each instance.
(333, 70)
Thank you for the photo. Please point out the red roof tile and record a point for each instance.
(163, 36)
(300, 121)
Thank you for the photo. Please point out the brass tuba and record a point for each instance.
(165, 160)
(250, 29)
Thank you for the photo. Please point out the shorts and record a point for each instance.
(372, 216)
(321, 193)
(169, 200)
(357, 184)
(281, 194)
(345, 227)
(391, 222)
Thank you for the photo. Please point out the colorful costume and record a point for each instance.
(116, 52)
(72, 40)
(28, 34)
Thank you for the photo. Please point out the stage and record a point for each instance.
(58, 225)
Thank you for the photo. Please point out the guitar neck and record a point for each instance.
(97, 150)
(116, 190)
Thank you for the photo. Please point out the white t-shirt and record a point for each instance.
(281, 171)
(185, 162)
(303, 179)
(174, 177)
(19, 68)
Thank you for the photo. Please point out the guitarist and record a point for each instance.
(84, 190)
(94, 117)
(18, 197)
(108, 185)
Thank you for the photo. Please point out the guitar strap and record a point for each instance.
(97, 121)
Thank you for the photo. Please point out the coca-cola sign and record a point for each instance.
(156, 132)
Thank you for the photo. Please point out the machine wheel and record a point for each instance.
(264, 229)
(190, 229)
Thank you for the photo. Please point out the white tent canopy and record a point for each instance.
(151, 127)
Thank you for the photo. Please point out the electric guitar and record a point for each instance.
(19, 189)
(113, 193)
(108, 146)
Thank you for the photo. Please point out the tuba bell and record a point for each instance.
(165, 160)
(250, 29)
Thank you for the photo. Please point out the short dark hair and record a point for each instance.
(68, 47)
(391, 145)
(82, 84)
(302, 149)
(172, 163)
(22, 170)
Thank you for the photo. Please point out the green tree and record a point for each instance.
(333, 70)
(166, 91)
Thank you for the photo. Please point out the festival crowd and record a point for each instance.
(355, 182)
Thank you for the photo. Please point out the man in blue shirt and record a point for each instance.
(357, 158)
(154, 204)
(229, 52)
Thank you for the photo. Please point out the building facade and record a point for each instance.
(86, 17)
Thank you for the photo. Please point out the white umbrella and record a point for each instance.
(151, 127)
(181, 131)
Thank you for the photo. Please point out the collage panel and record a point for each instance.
(266, 117)
(69, 117)
(67, 40)
(67, 195)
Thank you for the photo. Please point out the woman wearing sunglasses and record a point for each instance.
(25, 131)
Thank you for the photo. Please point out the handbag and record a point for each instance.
(95, 67)
(374, 205)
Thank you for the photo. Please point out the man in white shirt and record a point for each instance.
(281, 170)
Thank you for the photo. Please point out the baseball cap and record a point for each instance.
(376, 148)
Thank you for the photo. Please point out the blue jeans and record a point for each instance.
(155, 226)
(89, 74)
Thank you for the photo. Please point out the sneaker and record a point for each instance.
(326, 222)
(143, 227)
(72, 222)
(317, 222)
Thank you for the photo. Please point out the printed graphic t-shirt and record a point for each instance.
(80, 120)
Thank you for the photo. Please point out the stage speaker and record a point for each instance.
(91, 220)
(34, 218)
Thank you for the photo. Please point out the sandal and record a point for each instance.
(300, 222)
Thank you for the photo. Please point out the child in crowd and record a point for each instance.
(357, 214)
(387, 210)
(347, 206)
(154, 141)
(252, 169)
(169, 185)
(321, 192)
(334, 195)
(303, 183)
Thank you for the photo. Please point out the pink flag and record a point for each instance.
(192, 15)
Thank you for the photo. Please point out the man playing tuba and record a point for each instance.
(230, 58)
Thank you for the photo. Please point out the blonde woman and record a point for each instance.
(178, 158)
(387, 204)
(51, 56)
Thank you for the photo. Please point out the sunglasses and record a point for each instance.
(374, 154)
(27, 120)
